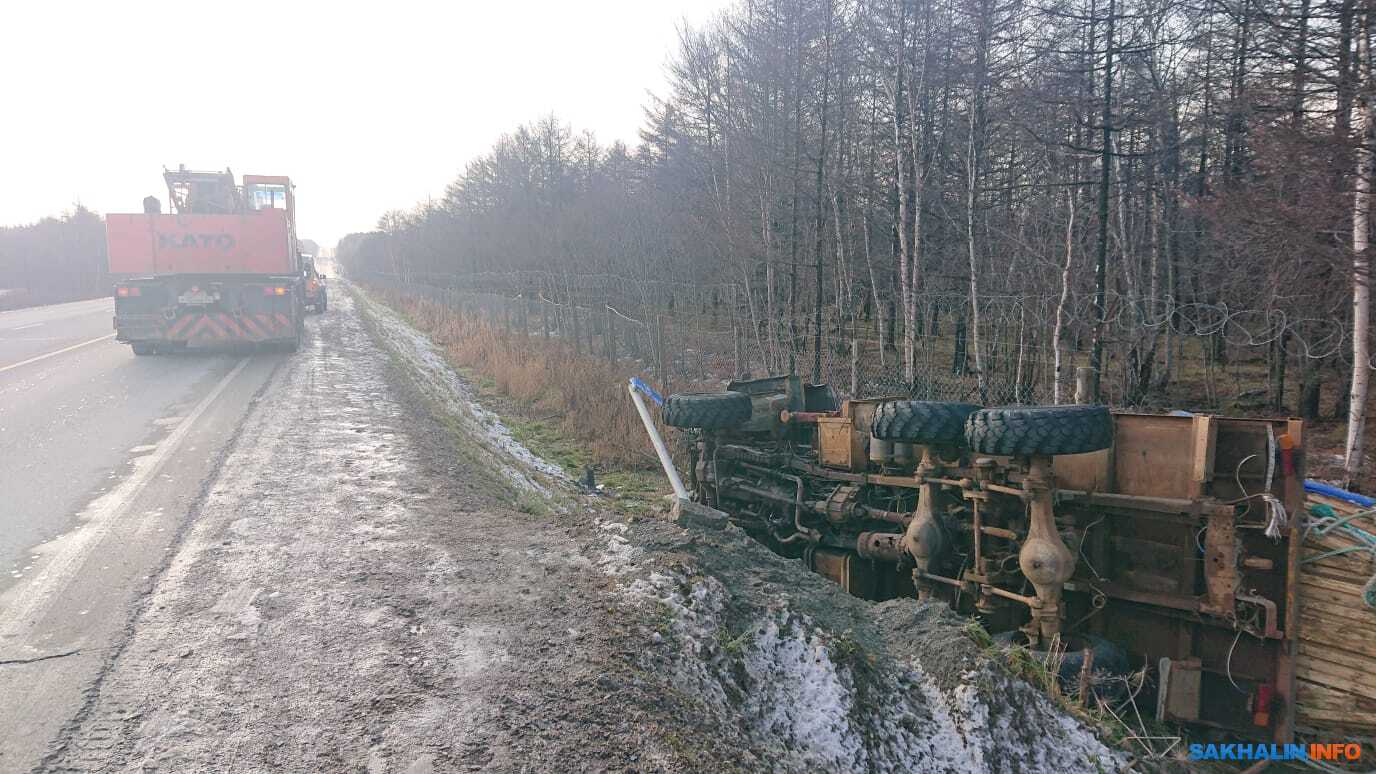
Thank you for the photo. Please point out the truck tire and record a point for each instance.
(707, 410)
(142, 348)
(922, 421)
(1040, 430)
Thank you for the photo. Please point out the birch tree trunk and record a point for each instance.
(972, 171)
(973, 155)
(865, 230)
(1361, 261)
(910, 290)
(874, 283)
(771, 311)
(1057, 348)
(819, 210)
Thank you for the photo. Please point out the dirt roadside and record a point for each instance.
(379, 579)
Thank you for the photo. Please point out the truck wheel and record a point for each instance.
(142, 348)
(707, 410)
(922, 421)
(1040, 430)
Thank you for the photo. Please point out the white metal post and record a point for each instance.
(679, 490)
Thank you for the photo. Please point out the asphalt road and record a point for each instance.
(28, 334)
(102, 455)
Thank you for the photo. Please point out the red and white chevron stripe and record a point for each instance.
(220, 327)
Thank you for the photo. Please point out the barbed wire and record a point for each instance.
(696, 342)
(1306, 335)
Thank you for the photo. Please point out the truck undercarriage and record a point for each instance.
(1165, 544)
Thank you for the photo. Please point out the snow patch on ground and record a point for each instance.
(518, 464)
(619, 557)
(809, 699)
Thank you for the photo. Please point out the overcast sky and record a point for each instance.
(367, 106)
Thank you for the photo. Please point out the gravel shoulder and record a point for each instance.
(380, 579)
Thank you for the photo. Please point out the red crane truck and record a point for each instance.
(222, 268)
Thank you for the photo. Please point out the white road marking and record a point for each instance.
(50, 309)
(26, 327)
(55, 353)
(28, 602)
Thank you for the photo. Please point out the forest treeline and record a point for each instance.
(56, 259)
(1112, 183)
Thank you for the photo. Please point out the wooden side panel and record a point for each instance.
(1092, 472)
(1155, 456)
(839, 445)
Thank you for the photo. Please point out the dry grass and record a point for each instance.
(583, 397)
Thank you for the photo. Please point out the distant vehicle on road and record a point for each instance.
(317, 297)
(222, 268)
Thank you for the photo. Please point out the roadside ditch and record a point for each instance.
(742, 658)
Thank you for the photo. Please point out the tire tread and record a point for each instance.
(707, 410)
(922, 421)
(1050, 430)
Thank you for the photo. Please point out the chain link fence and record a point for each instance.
(700, 337)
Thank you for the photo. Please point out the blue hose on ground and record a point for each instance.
(1328, 490)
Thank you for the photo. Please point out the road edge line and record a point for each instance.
(28, 601)
(55, 353)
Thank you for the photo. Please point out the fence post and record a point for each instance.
(577, 332)
(736, 334)
(609, 336)
(854, 368)
(544, 318)
(1084, 379)
(659, 354)
(739, 370)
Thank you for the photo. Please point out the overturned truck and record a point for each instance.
(1165, 542)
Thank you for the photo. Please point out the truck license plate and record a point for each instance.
(196, 297)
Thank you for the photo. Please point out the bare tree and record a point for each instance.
(1361, 260)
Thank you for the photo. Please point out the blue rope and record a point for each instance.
(1331, 521)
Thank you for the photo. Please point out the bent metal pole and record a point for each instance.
(679, 490)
